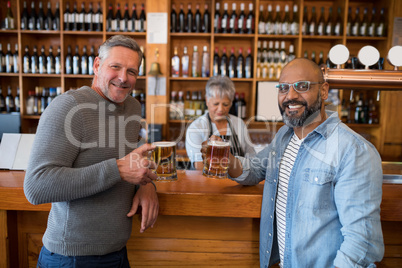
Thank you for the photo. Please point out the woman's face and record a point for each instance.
(218, 108)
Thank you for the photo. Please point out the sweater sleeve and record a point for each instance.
(51, 175)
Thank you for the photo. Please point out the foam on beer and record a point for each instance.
(164, 143)
(218, 143)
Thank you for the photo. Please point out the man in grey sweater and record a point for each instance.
(86, 161)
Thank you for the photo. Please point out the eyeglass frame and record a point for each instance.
(292, 84)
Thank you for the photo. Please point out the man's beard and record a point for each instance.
(104, 87)
(308, 116)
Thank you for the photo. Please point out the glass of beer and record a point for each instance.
(216, 160)
(164, 156)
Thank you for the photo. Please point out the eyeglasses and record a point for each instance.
(299, 87)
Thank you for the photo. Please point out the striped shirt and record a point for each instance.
(285, 169)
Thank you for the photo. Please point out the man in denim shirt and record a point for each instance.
(323, 182)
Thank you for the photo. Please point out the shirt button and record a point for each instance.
(274, 180)
(267, 251)
(269, 234)
(273, 153)
(272, 199)
(316, 179)
(271, 216)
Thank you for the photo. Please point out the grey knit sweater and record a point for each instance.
(73, 166)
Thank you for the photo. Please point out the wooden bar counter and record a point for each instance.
(202, 222)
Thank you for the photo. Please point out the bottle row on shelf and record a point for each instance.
(9, 103)
(270, 61)
(141, 97)
(34, 20)
(40, 98)
(360, 108)
(196, 23)
(126, 23)
(9, 62)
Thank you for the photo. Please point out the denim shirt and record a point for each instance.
(334, 196)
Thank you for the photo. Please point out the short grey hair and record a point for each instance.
(220, 86)
(119, 41)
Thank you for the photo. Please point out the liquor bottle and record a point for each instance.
(66, 17)
(41, 18)
(42, 61)
(321, 59)
(305, 29)
(349, 23)
(291, 55)
(9, 20)
(195, 65)
(242, 21)
(232, 64)
(175, 64)
(261, 21)
(380, 24)
(250, 22)
(224, 63)
(43, 100)
(69, 61)
(321, 23)
(9, 60)
(205, 62)
(2, 60)
(180, 106)
(312, 24)
(143, 63)
(57, 62)
(225, 19)
(109, 19)
(32, 18)
(143, 105)
(269, 23)
(248, 65)
(372, 113)
(215, 65)
(270, 52)
(217, 19)
(233, 108)
(185, 61)
(172, 105)
(91, 60)
(329, 27)
(351, 108)
(233, 20)
(313, 58)
(74, 18)
(240, 65)
(189, 20)
(9, 101)
(242, 108)
(89, 23)
(84, 60)
(188, 104)
(125, 21)
(286, 23)
(50, 62)
(196, 107)
(52, 95)
(363, 30)
(202, 106)
(48, 22)
(356, 23)
(278, 20)
(56, 18)
(34, 61)
(206, 21)
(283, 58)
(17, 101)
(294, 26)
(142, 24)
(2, 102)
(182, 21)
(265, 60)
(76, 61)
(197, 19)
(371, 24)
(117, 19)
(24, 17)
(344, 112)
(173, 21)
(338, 25)
(359, 113)
(98, 19)
(16, 61)
(26, 61)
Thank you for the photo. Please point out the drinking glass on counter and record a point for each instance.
(164, 156)
(217, 159)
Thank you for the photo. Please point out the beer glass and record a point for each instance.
(164, 156)
(216, 160)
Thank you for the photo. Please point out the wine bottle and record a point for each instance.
(197, 19)
(57, 62)
(270, 23)
(24, 17)
(243, 112)
(294, 26)
(48, 22)
(313, 58)
(91, 60)
(371, 24)
(195, 66)
(338, 25)
(173, 19)
(305, 29)
(329, 26)
(34, 61)
(142, 20)
(321, 23)
(278, 20)
(10, 105)
(250, 22)
(291, 55)
(312, 25)
(232, 64)
(134, 19)
(205, 62)
(189, 19)
(248, 65)
(42, 61)
(126, 18)
(8, 58)
(349, 23)
(50, 62)
(9, 20)
(2, 102)
(16, 60)
(286, 23)
(56, 18)
(117, 19)
(17, 101)
(32, 18)
(41, 18)
(356, 23)
(89, 23)
(258, 71)
(225, 19)
(175, 63)
(98, 19)
(110, 19)
(241, 23)
(26, 61)
(206, 21)
(81, 18)
(76, 61)
(69, 61)
(240, 65)
(143, 63)
(233, 20)
(216, 61)
(182, 21)
(380, 24)
(66, 17)
(217, 19)
(363, 30)
(74, 18)
(224, 63)
(185, 61)
(84, 60)
(261, 21)
(321, 59)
